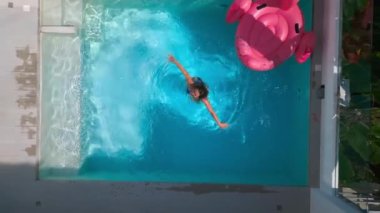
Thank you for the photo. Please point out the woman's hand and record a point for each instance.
(223, 125)
(209, 108)
(171, 58)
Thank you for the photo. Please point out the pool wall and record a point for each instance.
(326, 71)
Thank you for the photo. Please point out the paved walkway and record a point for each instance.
(18, 81)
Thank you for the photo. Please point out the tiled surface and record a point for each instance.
(51, 12)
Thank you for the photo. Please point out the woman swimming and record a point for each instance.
(198, 90)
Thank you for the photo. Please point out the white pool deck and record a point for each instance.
(21, 191)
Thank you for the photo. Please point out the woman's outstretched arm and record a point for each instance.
(209, 107)
(180, 67)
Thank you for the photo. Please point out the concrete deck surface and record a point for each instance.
(18, 82)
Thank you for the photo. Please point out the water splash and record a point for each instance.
(129, 73)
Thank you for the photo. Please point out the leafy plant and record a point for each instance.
(359, 155)
(356, 38)
(377, 54)
(359, 145)
(350, 11)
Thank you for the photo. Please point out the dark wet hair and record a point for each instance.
(201, 87)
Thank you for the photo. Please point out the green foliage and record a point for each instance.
(359, 144)
(359, 75)
(350, 10)
(346, 170)
(377, 54)
(360, 124)
(375, 157)
(357, 137)
(376, 89)
(356, 38)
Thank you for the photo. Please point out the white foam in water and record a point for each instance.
(130, 73)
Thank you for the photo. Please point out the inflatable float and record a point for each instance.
(269, 32)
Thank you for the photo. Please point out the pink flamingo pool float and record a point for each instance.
(269, 32)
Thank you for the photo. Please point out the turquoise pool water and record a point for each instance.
(137, 122)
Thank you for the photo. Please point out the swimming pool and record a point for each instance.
(135, 121)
